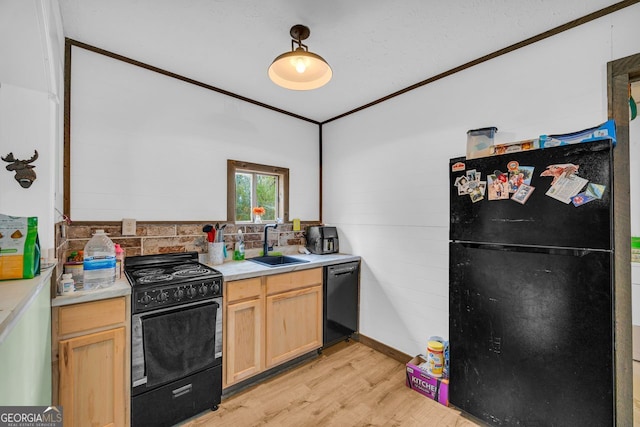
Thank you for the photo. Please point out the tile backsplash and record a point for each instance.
(158, 238)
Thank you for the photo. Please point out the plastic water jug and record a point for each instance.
(99, 262)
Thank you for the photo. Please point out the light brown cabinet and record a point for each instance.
(270, 320)
(244, 330)
(293, 315)
(90, 369)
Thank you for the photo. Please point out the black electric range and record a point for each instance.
(176, 337)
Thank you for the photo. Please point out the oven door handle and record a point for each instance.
(164, 310)
(181, 391)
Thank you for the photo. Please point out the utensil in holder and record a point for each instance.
(216, 253)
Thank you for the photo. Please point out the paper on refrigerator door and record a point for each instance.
(566, 186)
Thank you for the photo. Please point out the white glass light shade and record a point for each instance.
(300, 70)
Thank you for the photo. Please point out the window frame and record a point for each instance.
(234, 166)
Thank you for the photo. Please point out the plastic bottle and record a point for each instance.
(238, 253)
(119, 260)
(99, 262)
(66, 284)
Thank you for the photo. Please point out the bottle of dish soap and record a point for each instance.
(119, 260)
(238, 253)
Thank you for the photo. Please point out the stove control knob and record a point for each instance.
(203, 289)
(162, 296)
(191, 292)
(178, 294)
(215, 288)
(146, 299)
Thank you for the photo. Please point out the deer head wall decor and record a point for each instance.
(25, 175)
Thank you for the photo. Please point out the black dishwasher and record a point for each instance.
(340, 311)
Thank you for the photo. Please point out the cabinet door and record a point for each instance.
(294, 324)
(92, 372)
(244, 331)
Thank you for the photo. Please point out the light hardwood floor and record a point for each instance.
(350, 384)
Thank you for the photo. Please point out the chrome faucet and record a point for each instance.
(267, 248)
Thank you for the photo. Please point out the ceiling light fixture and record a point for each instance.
(300, 69)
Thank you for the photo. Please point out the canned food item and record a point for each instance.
(76, 270)
(435, 358)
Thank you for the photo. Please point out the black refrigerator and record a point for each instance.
(531, 287)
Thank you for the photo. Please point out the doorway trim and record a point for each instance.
(619, 74)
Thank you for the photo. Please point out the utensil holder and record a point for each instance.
(216, 253)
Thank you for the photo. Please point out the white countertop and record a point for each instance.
(17, 295)
(120, 288)
(232, 270)
(236, 270)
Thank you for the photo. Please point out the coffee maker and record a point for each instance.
(322, 240)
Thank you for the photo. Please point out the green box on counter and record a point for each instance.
(635, 249)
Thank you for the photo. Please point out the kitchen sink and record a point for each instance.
(276, 260)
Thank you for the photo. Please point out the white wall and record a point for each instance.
(394, 159)
(151, 147)
(32, 45)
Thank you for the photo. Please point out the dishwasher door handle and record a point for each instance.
(350, 270)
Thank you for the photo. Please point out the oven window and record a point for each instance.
(178, 343)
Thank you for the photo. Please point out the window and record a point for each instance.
(251, 185)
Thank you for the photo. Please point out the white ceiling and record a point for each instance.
(375, 47)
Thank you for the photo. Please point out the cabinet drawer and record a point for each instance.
(238, 290)
(91, 315)
(296, 280)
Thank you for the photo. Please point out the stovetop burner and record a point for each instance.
(155, 278)
(197, 271)
(148, 272)
(188, 266)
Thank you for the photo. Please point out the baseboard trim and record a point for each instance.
(384, 349)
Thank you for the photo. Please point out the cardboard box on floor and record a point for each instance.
(419, 380)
